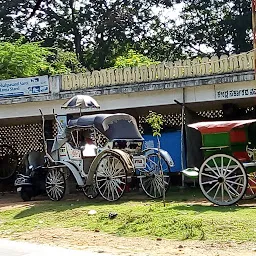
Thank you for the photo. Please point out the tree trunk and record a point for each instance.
(77, 35)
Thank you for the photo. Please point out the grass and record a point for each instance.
(138, 216)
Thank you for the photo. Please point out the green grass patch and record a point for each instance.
(179, 219)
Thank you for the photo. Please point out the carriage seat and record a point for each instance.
(242, 156)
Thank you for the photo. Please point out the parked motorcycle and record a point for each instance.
(32, 183)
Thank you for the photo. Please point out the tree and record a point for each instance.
(220, 25)
(12, 18)
(97, 30)
(156, 122)
(21, 59)
(133, 59)
(64, 62)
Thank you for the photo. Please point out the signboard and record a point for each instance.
(235, 93)
(24, 86)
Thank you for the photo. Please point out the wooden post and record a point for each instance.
(254, 33)
(182, 137)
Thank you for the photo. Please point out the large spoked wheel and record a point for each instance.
(8, 161)
(250, 192)
(151, 179)
(111, 177)
(55, 184)
(222, 179)
(91, 191)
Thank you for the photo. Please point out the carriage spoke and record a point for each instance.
(237, 176)
(231, 171)
(216, 174)
(210, 176)
(222, 192)
(207, 192)
(225, 187)
(112, 186)
(227, 167)
(209, 182)
(234, 191)
(115, 188)
(114, 178)
(217, 190)
(154, 178)
(55, 184)
(217, 168)
(222, 166)
(103, 185)
(106, 186)
(251, 188)
(234, 183)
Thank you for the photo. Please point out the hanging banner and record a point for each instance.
(62, 119)
(24, 86)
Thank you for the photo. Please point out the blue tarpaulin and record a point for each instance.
(171, 142)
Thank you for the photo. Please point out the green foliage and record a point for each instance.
(155, 121)
(22, 59)
(133, 59)
(63, 62)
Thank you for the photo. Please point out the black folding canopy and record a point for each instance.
(113, 126)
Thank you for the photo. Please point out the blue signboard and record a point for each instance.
(171, 142)
(24, 86)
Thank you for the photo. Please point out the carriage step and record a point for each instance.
(250, 164)
(191, 172)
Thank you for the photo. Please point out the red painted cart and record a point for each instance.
(228, 171)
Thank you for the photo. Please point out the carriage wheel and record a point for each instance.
(111, 177)
(222, 179)
(55, 184)
(151, 179)
(250, 192)
(91, 191)
(8, 161)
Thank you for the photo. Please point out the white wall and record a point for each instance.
(107, 102)
(194, 94)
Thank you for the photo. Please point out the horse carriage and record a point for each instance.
(227, 173)
(102, 152)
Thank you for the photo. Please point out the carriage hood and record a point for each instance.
(113, 126)
(220, 126)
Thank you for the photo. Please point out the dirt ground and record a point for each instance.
(104, 243)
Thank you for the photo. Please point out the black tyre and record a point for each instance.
(26, 195)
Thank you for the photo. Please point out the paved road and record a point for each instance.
(13, 248)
